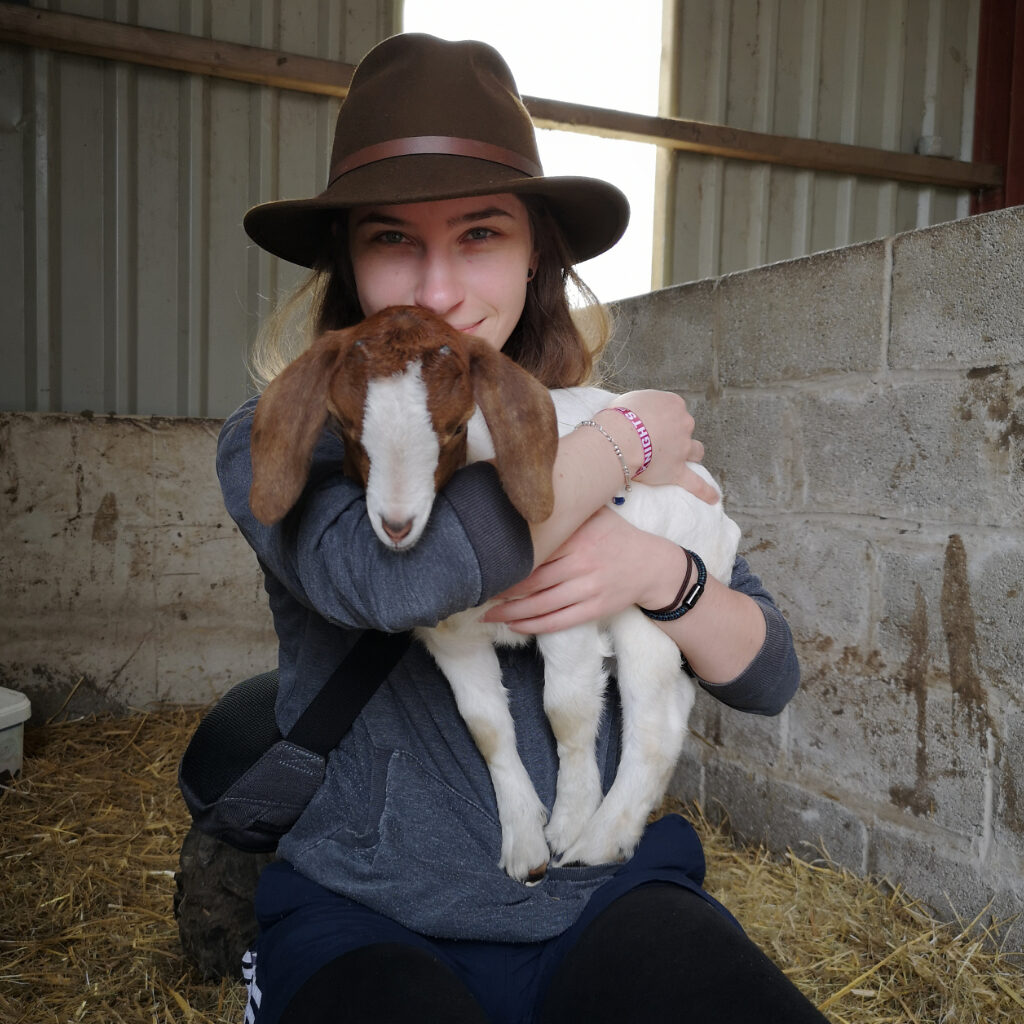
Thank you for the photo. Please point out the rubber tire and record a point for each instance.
(213, 903)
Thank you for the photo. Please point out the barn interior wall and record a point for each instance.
(129, 285)
(891, 74)
(864, 408)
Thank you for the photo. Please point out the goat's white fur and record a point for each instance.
(656, 694)
(403, 449)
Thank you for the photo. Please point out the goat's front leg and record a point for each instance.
(574, 685)
(474, 674)
(656, 700)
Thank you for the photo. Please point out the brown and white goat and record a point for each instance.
(405, 390)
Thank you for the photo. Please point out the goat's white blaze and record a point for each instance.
(400, 442)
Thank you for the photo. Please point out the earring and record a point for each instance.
(530, 273)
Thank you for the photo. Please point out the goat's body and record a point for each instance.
(464, 649)
(656, 694)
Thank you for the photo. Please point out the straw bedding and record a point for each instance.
(89, 840)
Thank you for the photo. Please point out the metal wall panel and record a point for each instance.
(128, 284)
(892, 74)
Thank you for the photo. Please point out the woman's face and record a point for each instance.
(465, 259)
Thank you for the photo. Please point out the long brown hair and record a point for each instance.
(547, 340)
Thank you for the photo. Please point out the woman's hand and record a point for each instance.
(588, 474)
(670, 426)
(604, 567)
(607, 565)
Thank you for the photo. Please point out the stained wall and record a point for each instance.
(864, 409)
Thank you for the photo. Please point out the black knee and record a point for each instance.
(663, 954)
(386, 982)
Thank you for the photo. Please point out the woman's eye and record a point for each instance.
(391, 237)
(479, 234)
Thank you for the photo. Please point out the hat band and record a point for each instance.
(436, 145)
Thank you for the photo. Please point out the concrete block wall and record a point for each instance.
(123, 582)
(864, 409)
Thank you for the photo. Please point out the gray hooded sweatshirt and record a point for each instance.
(405, 821)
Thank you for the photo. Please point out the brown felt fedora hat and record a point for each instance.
(430, 119)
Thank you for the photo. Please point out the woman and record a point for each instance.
(387, 903)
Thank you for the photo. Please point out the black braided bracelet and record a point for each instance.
(683, 603)
(680, 594)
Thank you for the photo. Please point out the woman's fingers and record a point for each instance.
(545, 612)
(554, 588)
(698, 486)
(604, 567)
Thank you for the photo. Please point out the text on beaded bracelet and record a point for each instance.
(643, 433)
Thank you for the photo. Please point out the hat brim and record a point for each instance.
(593, 214)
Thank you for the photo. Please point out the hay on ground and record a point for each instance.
(89, 841)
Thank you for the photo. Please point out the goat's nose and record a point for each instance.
(397, 531)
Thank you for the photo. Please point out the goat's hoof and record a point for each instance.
(587, 852)
(525, 853)
(535, 875)
(563, 831)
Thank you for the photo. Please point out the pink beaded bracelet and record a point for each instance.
(643, 434)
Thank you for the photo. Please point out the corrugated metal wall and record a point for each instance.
(128, 284)
(893, 74)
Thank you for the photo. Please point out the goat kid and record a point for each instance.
(414, 400)
(655, 694)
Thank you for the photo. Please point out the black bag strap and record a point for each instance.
(333, 710)
(241, 727)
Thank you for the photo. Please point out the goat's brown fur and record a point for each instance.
(329, 381)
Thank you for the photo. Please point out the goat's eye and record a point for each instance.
(460, 429)
(444, 350)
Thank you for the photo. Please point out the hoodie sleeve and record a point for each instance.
(769, 682)
(327, 557)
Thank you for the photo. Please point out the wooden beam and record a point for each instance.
(734, 143)
(155, 47)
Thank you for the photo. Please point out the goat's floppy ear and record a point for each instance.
(290, 415)
(521, 420)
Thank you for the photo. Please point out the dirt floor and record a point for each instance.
(91, 830)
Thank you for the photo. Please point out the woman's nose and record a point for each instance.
(439, 287)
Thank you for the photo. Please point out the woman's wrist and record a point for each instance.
(668, 565)
(597, 454)
(587, 476)
(640, 428)
(626, 437)
(627, 475)
(688, 594)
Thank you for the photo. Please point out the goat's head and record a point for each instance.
(400, 388)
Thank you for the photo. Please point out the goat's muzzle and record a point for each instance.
(397, 532)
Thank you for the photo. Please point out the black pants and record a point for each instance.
(657, 954)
